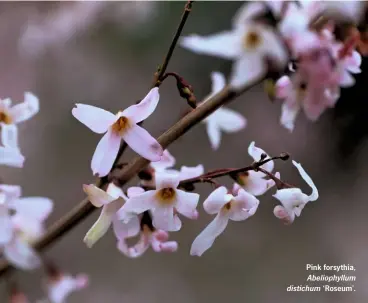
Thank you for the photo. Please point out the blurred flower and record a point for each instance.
(25, 227)
(11, 157)
(254, 182)
(12, 115)
(162, 202)
(223, 119)
(110, 201)
(17, 296)
(293, 200)
(227, 207)
(249, 44)
(124, 126)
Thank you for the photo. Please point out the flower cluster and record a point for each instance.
(319, 64)
(151, 210)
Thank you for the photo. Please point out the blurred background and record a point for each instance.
(105, 54)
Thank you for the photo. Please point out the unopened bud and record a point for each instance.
(263, 156)
(284, 156)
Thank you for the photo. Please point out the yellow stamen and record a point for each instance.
(166, 195)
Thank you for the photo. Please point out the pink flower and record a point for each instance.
(248, 43)
(11, 157)
(59, 287)
(110, 201)
(293, 200)
(12, 115)
(223, 119)
(124, 126)
(227, 207)
(252, 181)
(163, 201)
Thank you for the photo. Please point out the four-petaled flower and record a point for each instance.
(293, 200)
(124, 126)
(223, 119)
(163, 201)
(227, 207)
(254, 182)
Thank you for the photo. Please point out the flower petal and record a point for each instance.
(206, 238)
(115, 191)
(38, 208)
(250, 68)
(256, 152)
(186, 203)
(137, 250)
(244, 206)
(225, 44)
(20, 254)
(135, 191)
(143, 109)
(96, 119)
(283, 87)
(30, 227)
(292, 199)
(124, 230)
(191, 172)
(214, 133)
(11, 157)
(346, 80)
(218, 82)
(167, 180)
(9, 135)
(255, 184)
(247, 12)
(60, 290)
(105, 154)
(308, 180)
(281, 213)
(216, 200)
(97, 196)
(167, 161)
(6, 226)
(12, 192)
(163, 218)
(141, 203)
(229, 120)
(25, 110)
(289, 112)
(143, 143)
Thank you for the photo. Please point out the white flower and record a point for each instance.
(223, 119)
(110, 201)
(12, 115)
(11, 157)
(252, 181)
(162, 202)
(61, 286)
(249, 44)
(227, 207)
(124, 126)
(293, 200)
(167, 161)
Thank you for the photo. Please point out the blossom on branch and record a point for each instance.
(163, 201)
(293, 200)
(223, 119)
(238, 207)
(124, 126)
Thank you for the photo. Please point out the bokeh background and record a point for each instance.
(105, 54)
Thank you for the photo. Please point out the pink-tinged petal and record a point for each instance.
(5, 104)
(292, 199)
(256, 152)
(281, 213)
(81, 281)
(289, 112)
(346, 79)
(247, 12)
(226, 44)
(30, 227)
(11, 157)
(186, 203)
(169, 246)
(167, 161)
(135, 191)
(96, 119)
(103, 223)
(11, 192)
(6, 226)
(243, 206)
(353, 62)
(21, 255)
(97, 196)
(218, 82)
(249, 69)
(229, 120)
(283, 87)
(216, 200)
(164, 218)
(137, 250)
(272, 47)
(26, 110)
(115, 191)
(167, 180)
(214, 133)
(143, 109)
(191, 172)
(60, 290)
(206, 238)
(37, 208)
(308, 180)
(141, 203)
(255, 184)
(105, 154)
(143, 143)
(9, 135)
(315, 102)
(124, 230)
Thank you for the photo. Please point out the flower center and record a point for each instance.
(251, 40)
(5, 118)
(166, 195)
(227, 206)
(121, 125)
